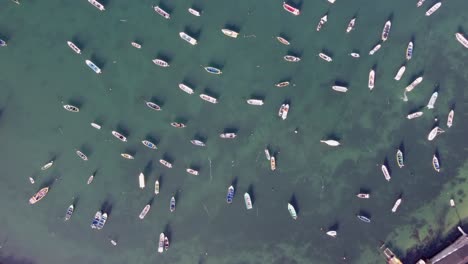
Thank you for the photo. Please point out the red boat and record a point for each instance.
(291, 9)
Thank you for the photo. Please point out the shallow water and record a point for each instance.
(40, 73)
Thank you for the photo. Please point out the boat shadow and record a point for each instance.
(153, 139)
(230, 130)
(328, 52)
(293, 202)
(251, 191)
(234, 183)
(365, 190)
(165, 56)
(294, 52)
(165, 7)
(341, 82)
(161, 181)
(199, 136)
(190, 83)
(168, 231)
(182, 120)
(386, 163)
(100, 120)
(151, 201)
(365, 213)
(169, 158)
(77, 101)
(217, 64)
(437, 154)
(76, 201)
(335, 226)
(232, 26)
(123, 129)
(131, 151)
(157, 100)
(98, 61)
(86, 149)
(148, 169)
(195, 166)
(48, 183)
(77, 41)
(333, 136)
(402, 148)
(257, 96)
(107, 206)
(414, 76)
(191, 31)
(208, 91)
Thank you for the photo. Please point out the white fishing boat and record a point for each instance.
(363, 195)
(414, 115)
(386, 30)
(136, 45)
(228, 135)
(31, 180)
(73, 47)
(354, 55)
(192, 171)
(156, 187)
(292, 211)
(430, 104)
(161, 243)
(69, 212)
(291, 58)
(283, 111)
(172, 204)
(255, 102)
(141, 180)
(291, 9)
(322, 22)
(178, 125)
(230, 33)
(434, 8)
(386, 173)
(81, 155)
(96, 126)
(97, 4)
(434, 132)
(185, 88)
(340, 89)
(127, 156)
(267, 154)
(197, 142)
(47, 165)
(409, 51)
(272, 163)
(351, 25)
(435, 163)
(188, 38)
(462, 39)
(194, 12)
(119, 136)
(396, 205)
(420, 3)
(450, 118)
(375, 49)
(153, 106)
(371, 79)
(282, 84)
(413, 85)
(90, 179)
(161, 12)
(71, 108)
(332, 233)
(248, 201)
(93, 66)
(400, 73)
(283, 41)
(331, 142)
(161, 63)
(165, 163)
(149, 144)
(144, 211)
(325, 57)
(209, 98)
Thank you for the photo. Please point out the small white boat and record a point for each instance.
(291, 58)
(119, 136)
(161, 12)
(396, 205)
(282, 84)
(291, 9)
(161, 243)
(96, 126)
(434, 8)
(161, 63)
(325, 57)
(194, 12)
(450, 118)
(340, 89)
(90, 179)
(434, 132)
(149, 144)
(375, 49)
(209, 98)
(413, 85)
(127, 156)
(136, 45)
(462, 39)
(227, 135)
(386, 173)
(178, 125)
(283, 41)
(267, 154)
(144, 211)
(371, 79)
(272, 163)
(322, 22)
(188, 38)
(197, 142)
(81, 155)
(153, 106)
(409, 51)
(97, 4)
(435, 163)
(351, 25)
(248, 201)
(192, 171)
(363, 195)
(69, 212)
(414, 115)
(93, 66)
(386, 30)
(420, 3)
(400, 73)
(31, 180)
(452, 203)
(156, 187)
(141, 180)
(354, 55)
(71, 108)
(292, 211)
(165, 163)
(331, 142)
(113, 242)
(230, 33)
(185, 88)
(283, 111)
(172, 204)
(332, 233)
(73, 47)
(430, 104)
(48, 165)
(255, 102)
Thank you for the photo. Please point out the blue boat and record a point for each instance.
(2, 43)
(96, 219)
(93, 66)
(364, 219)
(149, 144)
(213, 70)
(230, 194)
(102, 221)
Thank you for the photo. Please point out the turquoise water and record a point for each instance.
(40, 74)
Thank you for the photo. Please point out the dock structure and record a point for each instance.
(456, 253)
(390, 256)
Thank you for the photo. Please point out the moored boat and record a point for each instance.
(166, 243)
(399, 158)
(192, 171)
(90, 179)
(434, 132)
(355, 55)
(230, 33)
(400, 73)
(322, 22)
(409, 51)
(255, 102)
(375, 49)
(267, 154)
(283, 41)
(136, 45)
(71, 108)
(161, 12)
(462, 39)
(340, 89)
(396, 205)
(414, 115)
(434, 8)
(413, 85)
(153, 106)
(48, 165)
(248, 201)
(96, 219)
(197, 142)
(102, 221)
(81, 155)
(194, 12)
(172, 204)
(291, 9)
(31, 180)
(282, 84)
(435, 163)
(161, 63)
(97, 4)
(351, 25)
(39, 195)
(292, 211)
(371, 79)
(161, 243)
(96, 126)
(188, 38)
(364, 218)
(213, 70)
(156, 187)
(165, 163)
(452, 203)
(73, 47)
(230, 194)
(283, 111)
(291, 58)
(141, 180)
(149, 144)
(386, 173)
(127, 156)
(386, 30)
(420, 3)
(331, 142)
(209, 98)
(144, 211)
(185, 88)
(178, 125)
(227, 135)
(325, 57)
(3, 43)
(363, 195)
(332, 233)
(93, 66)
(450, 118)
(272, 163)
(430, 104)
(119, 136)
(69, 212)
